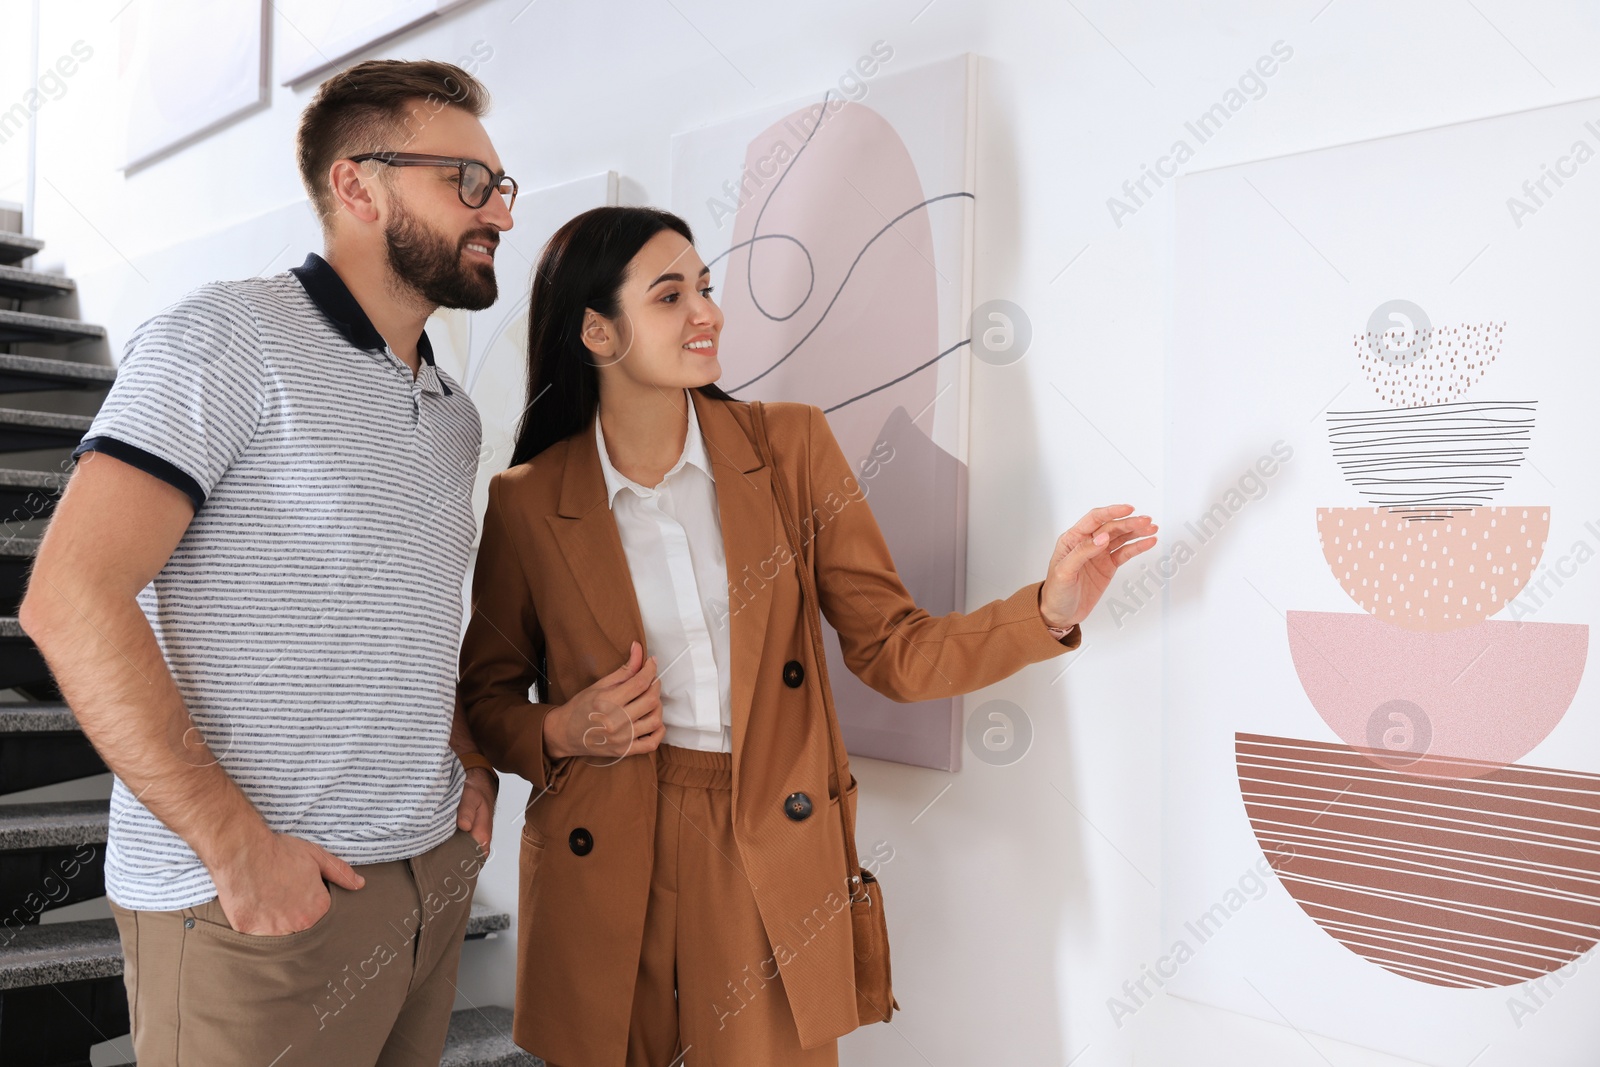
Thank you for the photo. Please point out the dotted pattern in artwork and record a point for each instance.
(1438, 575)
(1413, 368)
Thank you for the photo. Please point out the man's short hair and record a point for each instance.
(375, 106)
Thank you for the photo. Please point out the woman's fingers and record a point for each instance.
(1095, 518)
(623, 709)
(1075, 559)
(642, 704)
(1120, 538)
(624, 672)
(1108, 538)
(630, 688)
(1108, 520)
(1114, 533)
(1131, 549)
(648, 724)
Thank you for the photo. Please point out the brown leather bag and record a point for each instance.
(869, 930)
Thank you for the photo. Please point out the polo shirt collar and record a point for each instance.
(694, 454)
(339, 306)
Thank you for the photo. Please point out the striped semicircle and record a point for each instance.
(1462, 881)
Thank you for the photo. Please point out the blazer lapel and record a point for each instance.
(585, 530)
(587, 533)
(751, 543)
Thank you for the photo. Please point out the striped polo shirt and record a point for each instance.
(311, 613)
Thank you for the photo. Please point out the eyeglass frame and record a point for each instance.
(422, 159)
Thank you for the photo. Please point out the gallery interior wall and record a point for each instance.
(1021, 896)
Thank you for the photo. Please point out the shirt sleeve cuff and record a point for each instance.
(148, 462)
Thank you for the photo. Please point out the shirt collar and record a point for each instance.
(694, 454)
(339, 306)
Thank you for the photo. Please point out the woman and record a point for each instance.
(684, 829)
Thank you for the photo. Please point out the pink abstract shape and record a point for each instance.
(1443, 572)
(832, 295)
(857, 309)
(1488, 693)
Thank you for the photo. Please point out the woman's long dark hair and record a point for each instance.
(583, 266)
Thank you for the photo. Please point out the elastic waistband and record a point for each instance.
(694, 767)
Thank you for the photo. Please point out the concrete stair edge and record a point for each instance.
(38, 717)
(34, 320)
(53, 824)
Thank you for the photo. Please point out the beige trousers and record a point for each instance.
(696, 1002)
(371, 982)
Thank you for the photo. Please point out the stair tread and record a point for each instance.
(44, 367)
(37, 718)
(14, 246)
(53, 824)
(53, 420)
(33, 320)
(481, 1037)
(11, 478)
(59, 952)
(486, 920)
(33, 283)
(14, 547)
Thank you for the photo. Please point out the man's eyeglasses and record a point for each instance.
(476, 181)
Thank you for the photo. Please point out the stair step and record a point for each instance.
(30, 494)
(31, 760)
(14, 247)
(481, 1037)
(484, 921)
(43, 717)
(41, 744)
(59, 952)
(21, 665)
(21, 431)
(46, 329)
(16, 557)
(53, 824)
(58, 1025)
(20, 284)
(51, 855)
(18, 547)
(23, 374)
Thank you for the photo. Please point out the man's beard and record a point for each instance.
(431, 264)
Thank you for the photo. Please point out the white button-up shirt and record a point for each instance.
(672, 537)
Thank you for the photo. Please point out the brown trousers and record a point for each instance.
(371, 982)
(708, 991)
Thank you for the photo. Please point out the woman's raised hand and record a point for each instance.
(619, 715)
(1086, 558)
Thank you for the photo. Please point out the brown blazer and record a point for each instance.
(553, 604)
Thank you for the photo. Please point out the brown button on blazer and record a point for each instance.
(553, 605)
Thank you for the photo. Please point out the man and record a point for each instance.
(250, 595)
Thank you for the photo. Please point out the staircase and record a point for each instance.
(61, 989)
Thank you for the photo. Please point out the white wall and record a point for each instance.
(1025, 896)
(16, 40)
